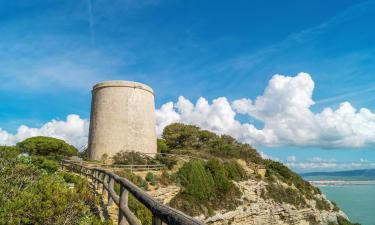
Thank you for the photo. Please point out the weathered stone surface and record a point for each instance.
(255, 210)
(122, 118)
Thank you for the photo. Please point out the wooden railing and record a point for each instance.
(146, 167)
(162, 214)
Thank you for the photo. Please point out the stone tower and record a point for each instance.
(122, 119)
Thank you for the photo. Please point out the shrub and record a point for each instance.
(47, 146)
(234, 170)
(71, 178)
(162, 146)
(44, 163)
(166, 178)
(9, 150)
(169, 161)
(282, 172)
(288, 195)
(129, 158)
(135, 179)
(149, 177)
(206, 187)
(221, 181)
(195, 180)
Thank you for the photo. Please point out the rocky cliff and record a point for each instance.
(254, 209)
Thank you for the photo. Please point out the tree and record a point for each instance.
(162, 146)
(179, 135)
(47, 146)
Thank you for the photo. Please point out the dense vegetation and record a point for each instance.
(207, 184)
(188, 139)
(47, 146)
(32, 191)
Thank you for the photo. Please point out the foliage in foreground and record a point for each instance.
(32, 192)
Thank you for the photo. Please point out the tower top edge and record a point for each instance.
(122, 83)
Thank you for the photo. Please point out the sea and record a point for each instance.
(355, 197)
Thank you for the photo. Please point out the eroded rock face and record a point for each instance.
(165, 194)
(254, 210)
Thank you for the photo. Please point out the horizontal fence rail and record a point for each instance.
(162, 214)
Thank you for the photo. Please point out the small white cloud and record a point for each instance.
(363, 160)
(292, 158)
(74, 130)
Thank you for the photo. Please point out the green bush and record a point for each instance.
(195, 180)
(149, 177)
(281, 194)
(71, 178)
(47, 146)
(189, 139)
(166, 178)
(282, 172)
(169, 161)
(44, 163)
(130, 158)
(205, 188)
(135, 179)
(221, 181)
(235, 171)
(6, 151)
(162, 146)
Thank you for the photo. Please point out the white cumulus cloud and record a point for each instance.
(285, 110)
(74, 130)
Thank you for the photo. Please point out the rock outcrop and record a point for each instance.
(254, 210)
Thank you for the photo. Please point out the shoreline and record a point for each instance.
(322, 183)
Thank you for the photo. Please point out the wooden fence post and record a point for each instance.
(123, 203)
(111, 185)
(105, 181)
(156, 220)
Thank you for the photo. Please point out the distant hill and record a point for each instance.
(368, 174)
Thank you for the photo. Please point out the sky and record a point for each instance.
(295, 79)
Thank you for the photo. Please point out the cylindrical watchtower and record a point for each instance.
(122, 119)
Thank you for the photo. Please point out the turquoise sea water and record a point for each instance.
(357, 201)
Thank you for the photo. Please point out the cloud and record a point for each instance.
(292, 158)
(74, 130)
(283, 108)
(285, 111)
(319, 164)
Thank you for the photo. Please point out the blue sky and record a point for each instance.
(52, 52)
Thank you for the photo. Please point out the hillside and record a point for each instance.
(228, 182)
